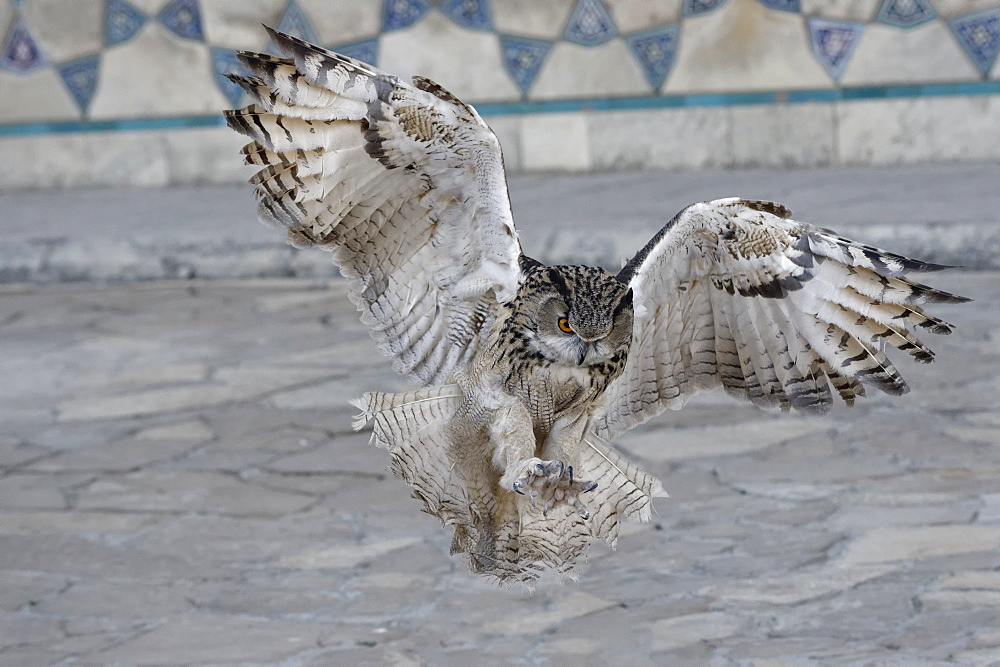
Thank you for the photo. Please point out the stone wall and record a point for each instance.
(128, 92)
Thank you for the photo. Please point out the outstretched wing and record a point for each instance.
(735, 293)
(403, 183)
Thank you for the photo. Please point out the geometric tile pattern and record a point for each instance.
(121, 22)
(20, 53)
(782, 5)
(833, 43)
(399, 14)
(523, 57)
(979, 35)
(473, 14)
(906, 13)
(696, 7)
(183, 19)
(365, 50)
(590, 24)
(295, 23)
(80, 77)
(655, 50)
(224, 62)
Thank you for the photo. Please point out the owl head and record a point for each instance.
(576, 315)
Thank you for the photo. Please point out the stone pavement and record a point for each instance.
(942, 213)
(180, 484)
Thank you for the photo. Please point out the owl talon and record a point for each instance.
(548, 483)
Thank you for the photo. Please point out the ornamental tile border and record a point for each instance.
(20, 52)
(655, 50)
(979, 35)
(590, 24)
(122, 21)
(905, 13)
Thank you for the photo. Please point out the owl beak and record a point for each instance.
(582, 354)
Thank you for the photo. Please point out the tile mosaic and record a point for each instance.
(574, 71)
(979, 35)
(224, 61)
(20, 53)
(631, 16)
(121, 22)
(80, 77)
(696, 7)
(530, 18)
(655, 50)
(399, 14)
(523, 58)
(782, 5)
(405, 53)
(64, 35)
(590, 24)
(842, 10)
(744, 47)
(294, 22)
(906, 13)
(365, 50)
(183, 19)
(924, 54)
(833, 43)
(474, 14)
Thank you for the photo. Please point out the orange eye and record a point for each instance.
(564, 325)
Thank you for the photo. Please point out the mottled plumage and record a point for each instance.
(527, 370)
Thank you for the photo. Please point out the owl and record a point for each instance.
(526, 371)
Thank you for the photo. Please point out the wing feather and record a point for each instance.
(404, 184)
(775, 311)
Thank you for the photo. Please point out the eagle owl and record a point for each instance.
(527, 371)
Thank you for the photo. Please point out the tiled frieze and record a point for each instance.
(119, 64)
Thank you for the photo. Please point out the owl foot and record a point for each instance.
(551, 482)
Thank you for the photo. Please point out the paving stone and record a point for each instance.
(34, 491)
(672, 633)
(893, 544)
(797, 587)
(114, 456)
(345, 557)
(187, 431)
(571, 606)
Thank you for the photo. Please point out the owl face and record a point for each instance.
(583, 316)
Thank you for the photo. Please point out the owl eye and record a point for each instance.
(564, 325)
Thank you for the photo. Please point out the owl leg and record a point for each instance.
(551, 482)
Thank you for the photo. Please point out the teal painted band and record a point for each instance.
(554, 106)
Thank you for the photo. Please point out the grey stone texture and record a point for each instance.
(179, 482)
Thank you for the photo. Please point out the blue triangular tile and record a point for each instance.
(183, 18)
(905, 13)
(20, 53)
(833, 43)
(121, 22)
(782, 5)
(473, 14)
(224, 61)
(696, 7)
(590, 24)
(365, 51)
(523, 58)
(80, 77)
(979, 35)
(294, 22)
(655, 50)
(399, 14)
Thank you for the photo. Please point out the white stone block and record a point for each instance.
(783, 136)
(632, 16)
(574, 71)
(466, 62)
(205, 155)
(926, 53)
(343, 21)
(530, 18)
(65, 31)
(237, 25)
(156, 74)
(555, 142)
(908, 131)
(686, 138)
(861, 11)
(35, 97)
(744, 46)
(951, 8)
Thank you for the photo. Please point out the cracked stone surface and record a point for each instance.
(179, 483)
